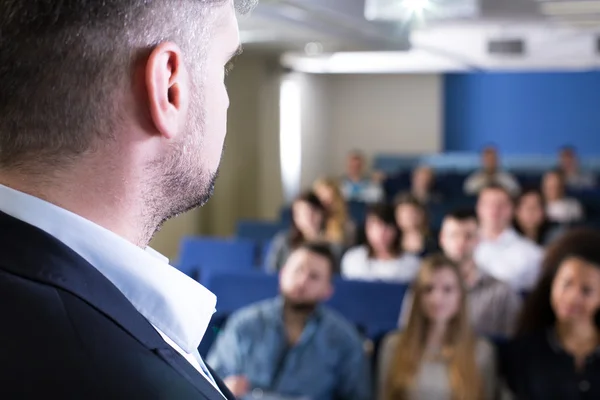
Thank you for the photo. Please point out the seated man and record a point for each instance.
(490, 174)
(575, 177)
(493, 305)
(502, 252)
(355, 186)
(292, 346)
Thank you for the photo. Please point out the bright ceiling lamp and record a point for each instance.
(405, 10)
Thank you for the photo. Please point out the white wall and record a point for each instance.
(384, 114)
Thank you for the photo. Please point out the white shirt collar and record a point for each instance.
(173, 303)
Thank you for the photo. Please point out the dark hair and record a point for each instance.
(462, 215)
(497, 187)
(322, 249)
(583, 243)
(545, 227)
(385, 213)
(296, 237)
(64, 66)
(409, 199)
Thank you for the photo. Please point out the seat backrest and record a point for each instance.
(372, 305)
(258, 231)
(201, 253)
(237, 289)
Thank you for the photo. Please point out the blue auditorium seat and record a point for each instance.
(259, 231)
(357, 211)
(200, 254)
(374, 306)
(236, 289)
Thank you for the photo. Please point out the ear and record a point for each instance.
(168, 88)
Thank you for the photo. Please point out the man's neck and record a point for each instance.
(92, 196)
(492, 233)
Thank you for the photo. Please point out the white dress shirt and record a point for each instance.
(564, 211)
(357, 265)
(511, 258)
(178, 307)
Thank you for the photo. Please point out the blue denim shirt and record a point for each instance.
(327, 363)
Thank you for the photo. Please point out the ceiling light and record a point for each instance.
(570, 7)
(416, 6)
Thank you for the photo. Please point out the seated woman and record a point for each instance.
(530, 218)
(560, 208)
(438, 356)
(339, 227)
(556, 353)
(411, 218)
(308, 225)
(381, 258)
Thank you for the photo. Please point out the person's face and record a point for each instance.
(568, 160)
(379, 234)
(189, 169)
(305, 279)
(552, 186)
(490, 160)
(409, 217)
(575, 294)
(355, 165)
(494, 209)
(306, 217)
(423, 178)
(458, 239)
(325, 195)
(530, 211)
(441, 296)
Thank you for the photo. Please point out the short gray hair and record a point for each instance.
(64, 64)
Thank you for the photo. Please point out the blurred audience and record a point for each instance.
(560, 208)
(492, 305)
(502, 252)
(422, 186)
(339, 227)
(309, 219)
(531, 220)
(382, 257)
(438, 355)
(490, 174)
(557, 352)
(412, 219)
(293, 346)
(356, 186)
(575, 178)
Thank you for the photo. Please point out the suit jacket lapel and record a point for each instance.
(33, 254)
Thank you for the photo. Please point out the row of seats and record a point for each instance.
(465, 162)
(373, 307)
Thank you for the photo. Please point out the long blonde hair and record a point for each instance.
(337, 215)
(458, 347)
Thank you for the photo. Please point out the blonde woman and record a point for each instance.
(438, 356)
(339, 227)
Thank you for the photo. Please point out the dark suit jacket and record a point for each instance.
(66, 332)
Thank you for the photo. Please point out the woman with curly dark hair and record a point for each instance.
(556, 353)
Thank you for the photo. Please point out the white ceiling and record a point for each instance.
(558, 35)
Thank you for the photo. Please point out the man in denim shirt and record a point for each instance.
(292, 346)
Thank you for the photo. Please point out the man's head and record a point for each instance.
(355, 164)
(495, 208)
(459, 236)
(136, 82)
(489, 159)
(423, 178)
(567, 159)
(305, 279)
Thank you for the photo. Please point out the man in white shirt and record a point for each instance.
(502, 252)
(490, 174)
(112, 121)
